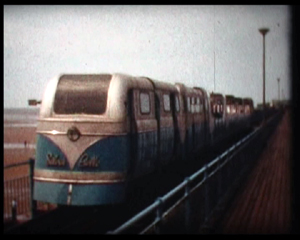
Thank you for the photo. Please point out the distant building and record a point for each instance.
(282, 103)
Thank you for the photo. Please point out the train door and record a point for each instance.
(132, 132)
(202, 104)
(181, 121)
(146, 131)
(198, 122)
(201, 127)
(175, 114)
(189, 126)
(204, 112)
(210, 120)
(166, 128)
(157, 117)
(194, 124)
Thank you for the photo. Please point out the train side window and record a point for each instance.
(228, 109)
(219, 107)
(242, 109)
(247, 109)
(188, 104)
(144, 103)
(166, 99)
(201, 106)
(192, 104)
(214, 108)
(232, 108)
(177, 104)
(198, 104)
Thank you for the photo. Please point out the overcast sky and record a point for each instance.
(167, 43)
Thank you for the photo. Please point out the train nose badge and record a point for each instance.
(73, 134)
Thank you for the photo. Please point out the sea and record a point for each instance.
(20, 117)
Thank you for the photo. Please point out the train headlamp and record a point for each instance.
(73, 134)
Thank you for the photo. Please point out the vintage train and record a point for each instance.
(98, 133)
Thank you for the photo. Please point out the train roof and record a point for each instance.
(239, 101)
(117, 86)
(185, 90)
(161, 85)
(230, 99)
(229, 96)
(248, 100)
(216, 95)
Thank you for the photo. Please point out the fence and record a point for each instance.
(18, 193)
(192, 203)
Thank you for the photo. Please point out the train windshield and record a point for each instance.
(81, 94)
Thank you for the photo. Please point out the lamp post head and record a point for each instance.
(263, 31)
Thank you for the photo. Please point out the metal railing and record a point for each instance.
(202, 191)
(18, 193)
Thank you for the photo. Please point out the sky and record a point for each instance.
(218, 48)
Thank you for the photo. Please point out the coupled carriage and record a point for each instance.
(98, 133)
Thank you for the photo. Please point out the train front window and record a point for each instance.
(82, 94)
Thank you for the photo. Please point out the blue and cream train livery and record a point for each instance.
(98, 133)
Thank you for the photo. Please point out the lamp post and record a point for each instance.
(264, 31)
(278, 79)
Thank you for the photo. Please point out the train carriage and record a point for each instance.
(201, 119)
(217, 112)
(189, 120)
(230, 113)
(143, 127)
(248, 111)
(165, 94)
(240, 112)
(97, 133)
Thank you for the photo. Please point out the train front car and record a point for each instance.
(82, 147)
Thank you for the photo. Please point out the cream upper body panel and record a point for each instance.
(115, 106)
(48, 97)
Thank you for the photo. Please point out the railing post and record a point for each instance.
(187, 206)
(33, 205)
(14, 210)
(159, 213)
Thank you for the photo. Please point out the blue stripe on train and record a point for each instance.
(45, 146)
(112, 153)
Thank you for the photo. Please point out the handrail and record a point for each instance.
(32, 203)
(180, 187)
(18, 164)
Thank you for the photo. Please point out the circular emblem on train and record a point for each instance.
(73, 134)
